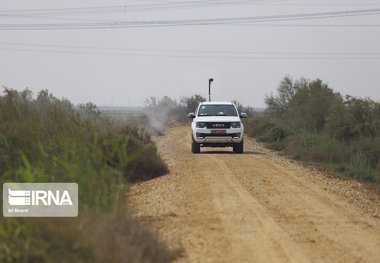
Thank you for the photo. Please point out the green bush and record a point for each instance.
(45, 139)
(311, 122)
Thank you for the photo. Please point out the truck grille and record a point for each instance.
(218, 125)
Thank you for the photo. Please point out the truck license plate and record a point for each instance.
(218, 131)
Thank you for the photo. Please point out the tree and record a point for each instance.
(312, 104)
(280, 103)
(190, 103)
(303, 103)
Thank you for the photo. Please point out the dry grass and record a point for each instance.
(121, 238)
(106, 237)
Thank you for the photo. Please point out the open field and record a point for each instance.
(123, 113)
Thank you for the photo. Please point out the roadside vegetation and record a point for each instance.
(161, 113)
(45, 139)
(309, 121)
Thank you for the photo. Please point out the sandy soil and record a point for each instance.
(256, 207)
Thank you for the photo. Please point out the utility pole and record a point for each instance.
(209, 88)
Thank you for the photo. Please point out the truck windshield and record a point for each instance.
(217, 110)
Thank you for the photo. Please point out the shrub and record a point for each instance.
(106, 237)
(49, 140)
(311, 122)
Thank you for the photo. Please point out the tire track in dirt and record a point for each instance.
(255, 207)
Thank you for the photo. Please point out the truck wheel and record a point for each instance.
(195, 147)
(239, 147)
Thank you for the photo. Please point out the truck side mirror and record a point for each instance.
(191, 115)
(243, 115)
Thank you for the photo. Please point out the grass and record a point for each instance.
(45, 139)
(105, 237)
(358, 159)
(311, 122)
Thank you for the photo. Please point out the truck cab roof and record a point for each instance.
(216, 103)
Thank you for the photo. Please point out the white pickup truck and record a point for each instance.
(217, 124)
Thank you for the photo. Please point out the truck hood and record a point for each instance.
(218, 119)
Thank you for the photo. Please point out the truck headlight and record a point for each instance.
(235, 124)
(200, 125)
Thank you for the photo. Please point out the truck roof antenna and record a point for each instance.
(209, 88)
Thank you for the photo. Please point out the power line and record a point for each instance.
(125, 8)
(151, 6)
(159, 6)
(235, 24)
(155, 6)
(375, 26)
(187, 51)
(319, 4)
(191, 22)
(199, 56)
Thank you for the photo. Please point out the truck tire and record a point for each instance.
(195, 147)
(239, 147)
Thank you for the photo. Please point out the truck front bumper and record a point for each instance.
(206, 137)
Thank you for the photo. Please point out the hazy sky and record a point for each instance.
(124, 66)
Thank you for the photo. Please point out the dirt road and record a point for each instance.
(256, 207)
